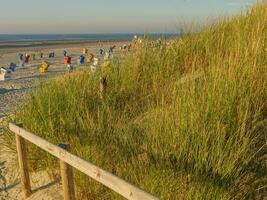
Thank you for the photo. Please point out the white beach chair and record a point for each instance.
(70, 68)
(94, 66)
(4, 74)
(107, 56)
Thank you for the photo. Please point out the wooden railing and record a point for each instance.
(68, 160)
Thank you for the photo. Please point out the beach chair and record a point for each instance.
(40, 55)
(124, 46)
(81, 60)
(21, 60)
(89, 58)
(51, 55)
(5, 74)
(94, 66)
(67, 60)
(32, 56)
(12, 67)
(21, 63)
(20, 56)
(85, 51)
(70, 68)
(26, 58)
(107, 56)
(101, 52)
(64, 53)
(95, 61)
(44, 67)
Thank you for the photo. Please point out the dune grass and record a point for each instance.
(185, 120)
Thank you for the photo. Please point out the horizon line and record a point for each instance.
(100, 33)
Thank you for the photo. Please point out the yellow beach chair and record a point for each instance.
(85, 51)
(89, 58)
(44, 67)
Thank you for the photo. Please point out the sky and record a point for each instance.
(110, 16)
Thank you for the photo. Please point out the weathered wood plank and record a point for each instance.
(23, 166)
(67, 177)
(112, 181)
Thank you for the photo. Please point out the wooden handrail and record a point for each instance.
(108, 179)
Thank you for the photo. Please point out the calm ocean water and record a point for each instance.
(73, 37)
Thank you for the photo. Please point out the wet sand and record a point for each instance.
(6, 47)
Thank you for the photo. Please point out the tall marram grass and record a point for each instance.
(183, 120)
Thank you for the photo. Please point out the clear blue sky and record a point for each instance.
(107, 16)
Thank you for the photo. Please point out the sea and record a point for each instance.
(77, 37)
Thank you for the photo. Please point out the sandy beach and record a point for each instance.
(23, 80)
(15, 91)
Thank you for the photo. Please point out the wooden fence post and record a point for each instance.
(23, 166)
(67, 177)
(103, 86)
